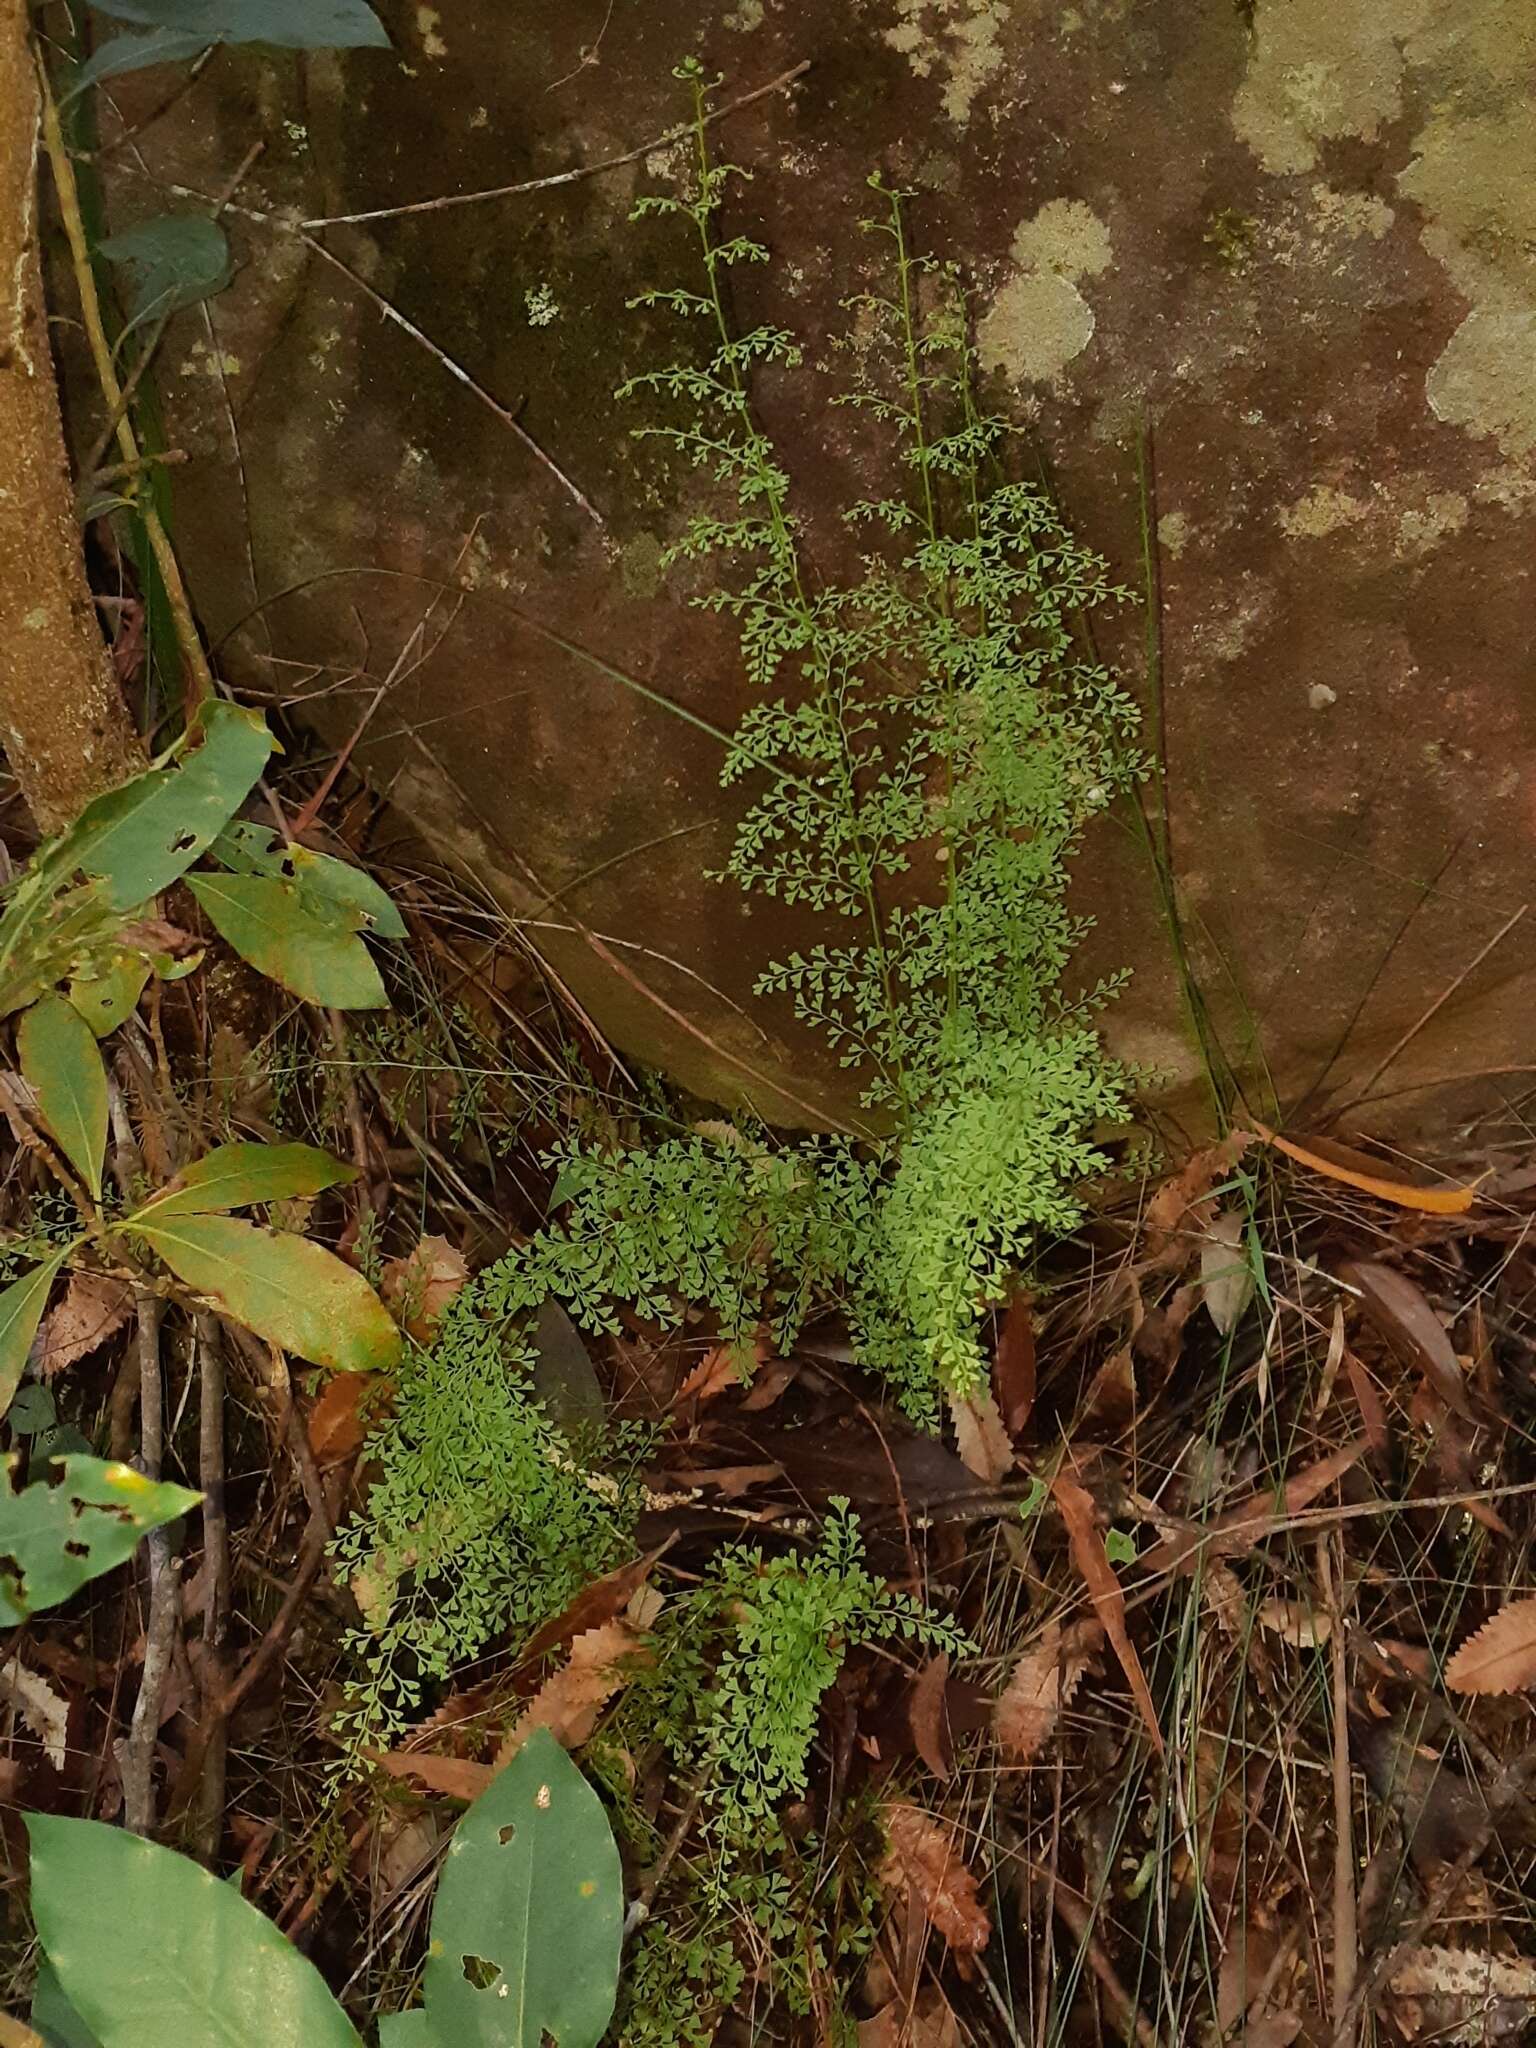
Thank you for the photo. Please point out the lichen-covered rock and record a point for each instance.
(1287, 250)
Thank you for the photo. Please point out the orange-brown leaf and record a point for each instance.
(602, 1601)
(418, 1288)
(1043, 1683)
(601, 1663)
(928, 1716)
(344, 1412)
(983, 1443)
(1318, 1155)
(925, 1863)
(1181, 1210)
(1013, 1369)
(1501, 1656)
(92, 1307)
(454, 1775)
(1088, 1553)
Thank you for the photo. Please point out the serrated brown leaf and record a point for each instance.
(604, 1600)
(983, 1443)
(92, 1307)
(1501, 1655)
(1042, 1685)
(1088, 1553)
(928, 1716)
(455, 1776)
(924, 1862)
(419, 1287)
(601, 1663)
(1181, 1210)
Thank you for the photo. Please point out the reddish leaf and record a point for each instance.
(925, 1863)
(928, 1716)
(604, 1600)
(1076, 1505)
(92, 1307)
(1501, 1656)
(601, 1663)
(420, 1287)
(347, 1408)
(1373, 1413)
(454, 1775)
(1400, 1312)
(1013, 1369)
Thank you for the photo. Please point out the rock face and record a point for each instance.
(1279, 254)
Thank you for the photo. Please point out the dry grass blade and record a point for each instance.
(1335, 1163)
(924, 1862)
(1042, 1685)
(1501, 1655)
(1088, 1553)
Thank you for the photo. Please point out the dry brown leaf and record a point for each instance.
(1226, 1277)
(1181, 1210)
(601, 1663)
(1336, 1162)
(454, 1775)
(1400, 1310)
(92, 1307)
(1303, 1627)
(924, 1862)
(723, 1366)
(346, 1408)
(928, 1716)
(1013, 1369)
(1275, 2030)
(1076, 1505)
(602, 1601)
(1501, 1655)
(1109, 1406)
(1224, 1598)
(45, 1712)
(1455, 1995)
(1042, 1685)
(980, 1437)
(1246, 1524)
(927, 2022)
(418, 1288)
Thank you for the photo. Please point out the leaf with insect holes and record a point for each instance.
(234, 1176)
(62, 1067)
(173, 261)
(54, 1538)
(1501, 1655)
(21, 1310)
(285, 1288)
(924, 1861)
(329, 889)
(528, 1913)
(181, 1957)
(1088, 1553)
(1042, 1685)
(267, 923)
(110, 996)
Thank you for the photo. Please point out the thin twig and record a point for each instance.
(138, 1753)
(1346, 1931)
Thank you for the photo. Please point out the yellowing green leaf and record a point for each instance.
(267, 923)
(21, 1310)
(62, 1067)
(233, 1176)
(110, 996)
(284, 1288)
(54, 1538)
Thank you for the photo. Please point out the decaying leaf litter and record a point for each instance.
(1252, 1454)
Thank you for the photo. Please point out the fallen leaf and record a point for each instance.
(1303, 1627)
(455, 1776)
(928, 1717)
(1013, 1368)
(43, 1710)
(419, 1287)
(980, 1437)
(1373, 1410)
(1453, 1996)
(1076, 1505)
(1041, 1686)
(1180, 1212)
(1222, 1591)
(1226, 1277)
(924, 1863)
(1109, 1406)
(603, 1600)
(1400, 1311)
(601, 1663)
(1336, 1162)
(723, 1366)
(408, 1850)
(1275, 2030)
(346, 1408)
(92, 1307)
(927, 2022)
(1254, 1518)
(1501, 1655)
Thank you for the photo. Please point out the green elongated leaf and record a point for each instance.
(407, 2030)
(286, 1289)
(328, 888)
(54, 2017)
(531, 1888)
(21, 1310)
(174, 261)
(288, 24)
(62, 1067)
(119, 54)
(140, 837)
(153, 1951)
(54, 1538)
(231, 1176)
(108, 998)
(267, 923)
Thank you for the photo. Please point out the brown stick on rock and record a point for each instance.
(63, 723)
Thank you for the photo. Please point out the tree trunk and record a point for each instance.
(63, 723)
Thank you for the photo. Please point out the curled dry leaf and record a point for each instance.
(1181, 1211)
(980, 1437)
(1042, 1685)
(92, 1308)
(45, 1712)
(346, 1408)
(1092, 1561)
(1013, 1369)
(1226, 1277)
(601, 1663)
(417, 1289)
(925, 1863)
(1353, 1170)
(928, 1716)
(1304, 1627)
(1401, 1312)
(1501, 1655)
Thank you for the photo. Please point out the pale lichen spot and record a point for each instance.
(1173, 532)
(428, 24)
(1040, 321)
(1322, 71)
(1322, 511)
(1422, 527)
(541, 1799)
(960, 40)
